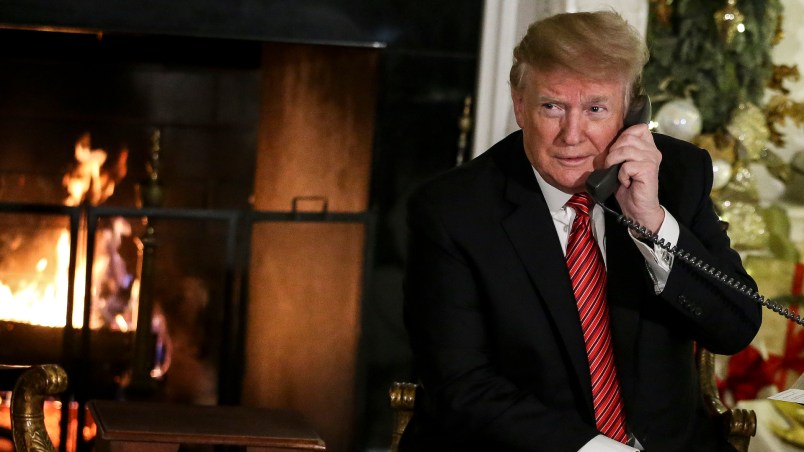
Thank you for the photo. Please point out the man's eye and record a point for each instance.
(549, 106)
(596, 109)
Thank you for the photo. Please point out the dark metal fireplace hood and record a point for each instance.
(364, 23)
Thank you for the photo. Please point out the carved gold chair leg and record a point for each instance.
(738, 424)
(27, 406)
(403, 398)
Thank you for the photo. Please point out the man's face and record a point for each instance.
(568, 123)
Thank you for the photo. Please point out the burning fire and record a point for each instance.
(39, 296)
(88, 179)
(40, 301)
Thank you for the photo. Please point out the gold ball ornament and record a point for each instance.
(737, 204)
(741, 187)
(747, 229)
(749, 127)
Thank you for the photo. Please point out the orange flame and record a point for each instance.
(41, 299)
(88, 179)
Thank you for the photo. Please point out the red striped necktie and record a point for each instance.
(588, 275)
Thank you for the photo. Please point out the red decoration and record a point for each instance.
(798, 279)
(746, 374)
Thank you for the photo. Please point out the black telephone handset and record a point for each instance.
(603, 183)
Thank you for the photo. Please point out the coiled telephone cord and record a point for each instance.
(705, 268)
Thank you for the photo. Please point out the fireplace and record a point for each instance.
(75, 98)
(260, 154)
(196, 71)
(75, 281)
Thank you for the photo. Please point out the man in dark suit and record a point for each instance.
(490, 299)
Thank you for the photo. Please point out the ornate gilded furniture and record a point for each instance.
(739, 425)
(31, 386)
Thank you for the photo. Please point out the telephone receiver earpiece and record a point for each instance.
(639, 113)
(603, 183)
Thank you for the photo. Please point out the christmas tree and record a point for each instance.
(716, 53)
(711, 61)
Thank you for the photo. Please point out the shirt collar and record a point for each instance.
(555, 198)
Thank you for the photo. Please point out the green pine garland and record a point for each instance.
(689, 57)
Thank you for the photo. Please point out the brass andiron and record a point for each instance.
(151, 194)
(465, 126)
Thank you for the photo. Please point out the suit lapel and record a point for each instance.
(532, 233)
(626, 290)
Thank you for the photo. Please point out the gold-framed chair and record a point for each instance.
(403, 400)
(31, 386)
(738, 425)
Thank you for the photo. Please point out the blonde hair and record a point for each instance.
(597, 45)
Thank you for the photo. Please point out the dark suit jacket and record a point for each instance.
(494, 326)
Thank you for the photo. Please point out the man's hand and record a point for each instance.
(638, 193)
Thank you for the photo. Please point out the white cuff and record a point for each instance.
(659, 261)
(601, 443)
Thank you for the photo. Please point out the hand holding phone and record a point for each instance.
(603, 183)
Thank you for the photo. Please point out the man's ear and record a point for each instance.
(518, 99)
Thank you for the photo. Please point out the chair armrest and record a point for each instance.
(739, 425)
(403, 398)
(27, 406)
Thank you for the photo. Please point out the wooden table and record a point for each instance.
(162, 427)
